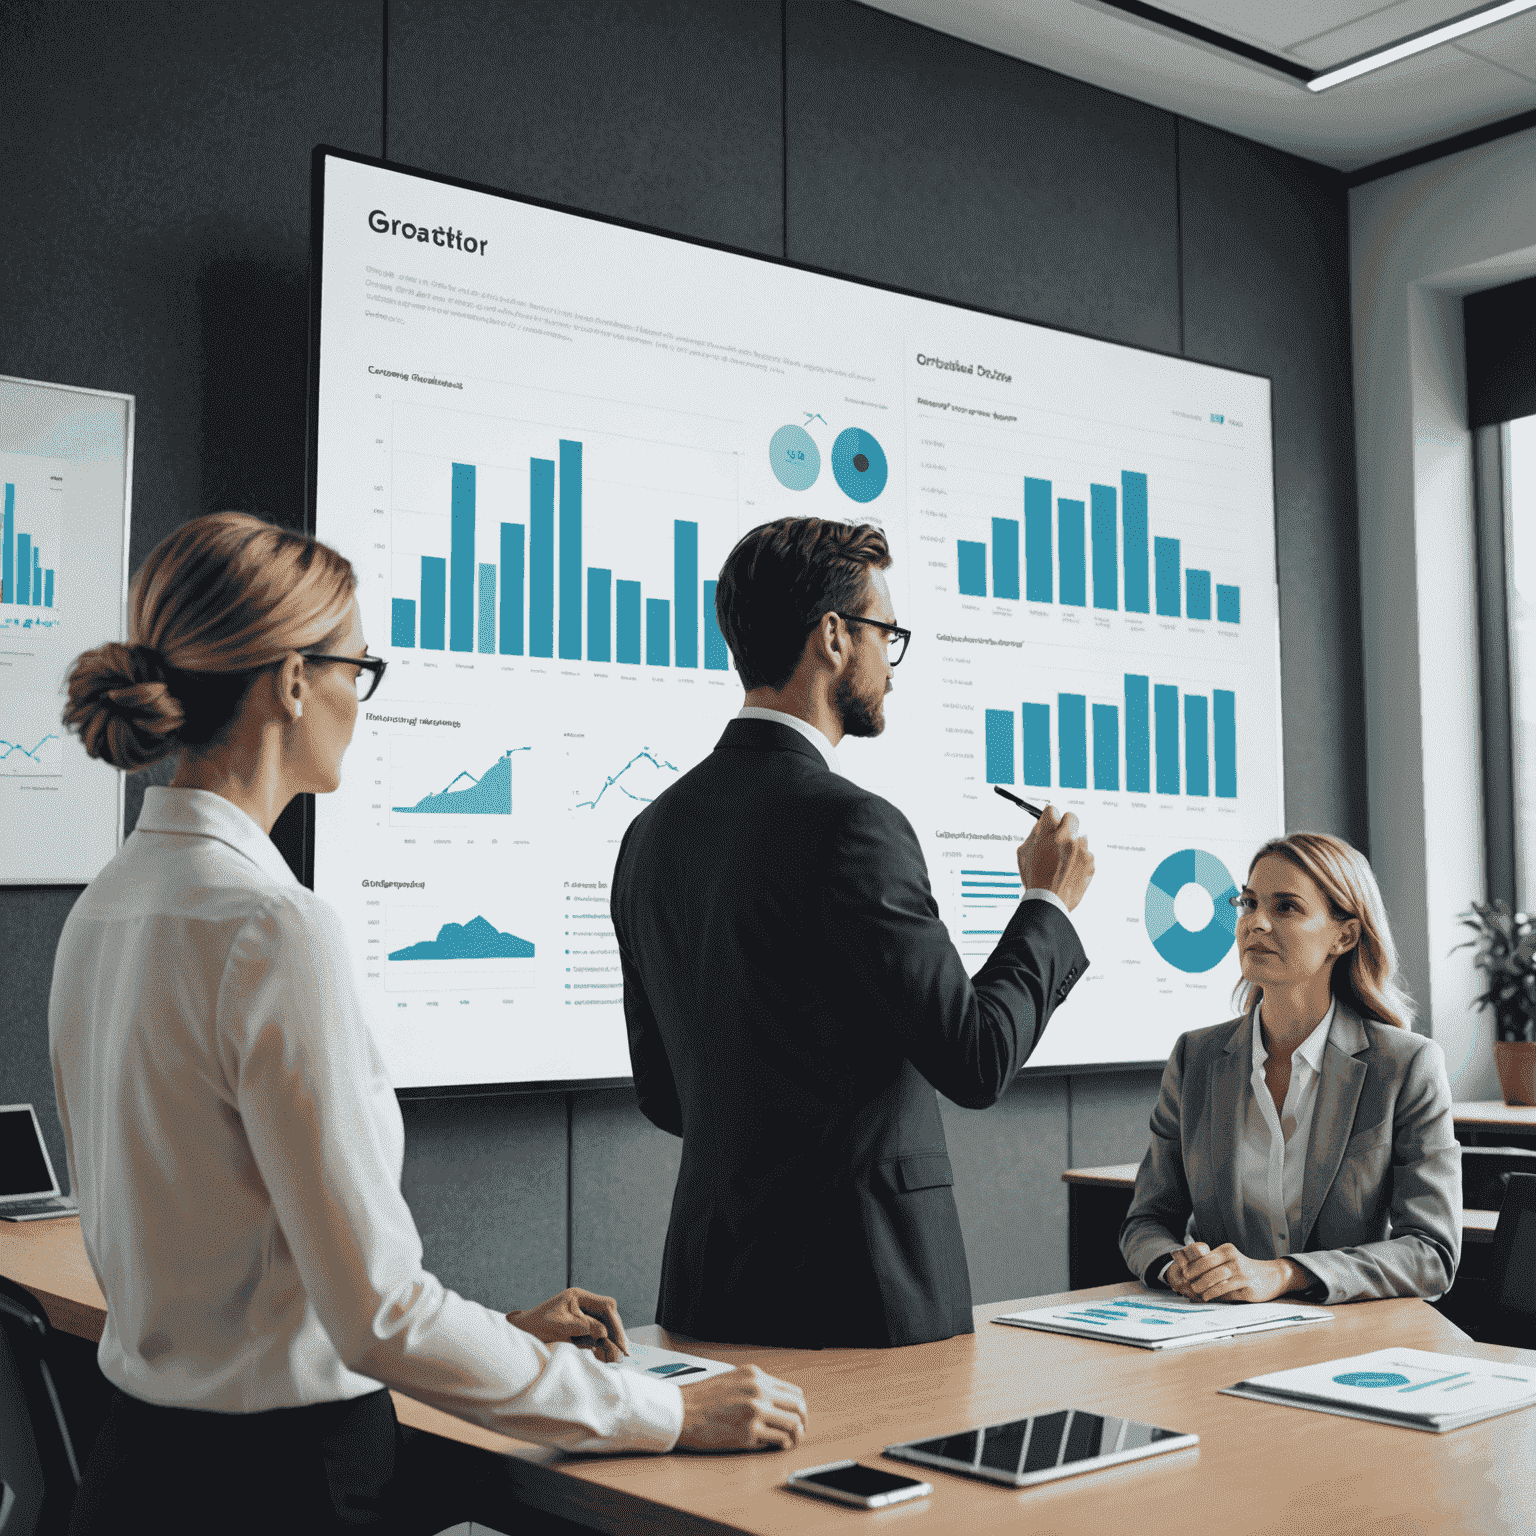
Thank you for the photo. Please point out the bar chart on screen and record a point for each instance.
(32, 493)
(510, 539)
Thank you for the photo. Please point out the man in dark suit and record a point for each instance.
(792, 997)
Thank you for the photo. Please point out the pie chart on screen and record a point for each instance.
(858, 464)
(1188, 949)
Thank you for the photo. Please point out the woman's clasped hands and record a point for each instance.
(1226, 1274)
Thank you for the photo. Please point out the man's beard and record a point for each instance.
(860, 717)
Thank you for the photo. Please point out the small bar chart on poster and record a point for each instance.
(538, 441)
(32, 587)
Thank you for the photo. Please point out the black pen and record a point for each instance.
(1034, 810)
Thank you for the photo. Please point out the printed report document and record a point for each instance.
(1411, 1387)
(1163, 1319)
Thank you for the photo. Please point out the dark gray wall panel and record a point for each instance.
(1008, 1163)
(927, 163)
(156, 169)
(1109, 1117)
(32, 917)
(622, 1174)
(1266, 288)
(664, 113)
(485, 1179)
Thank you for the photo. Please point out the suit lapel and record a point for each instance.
(1226, 1110)
(1333, 1118)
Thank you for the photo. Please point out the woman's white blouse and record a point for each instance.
(1272, 1149)
(235, 1147)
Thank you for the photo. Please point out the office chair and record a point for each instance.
(39, 1470)
(1485, 1171)
(1512, 1285)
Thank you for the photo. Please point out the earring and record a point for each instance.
(298, 710)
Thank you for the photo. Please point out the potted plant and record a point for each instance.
(1504, 945)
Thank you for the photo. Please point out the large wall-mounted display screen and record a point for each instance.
(537, 435)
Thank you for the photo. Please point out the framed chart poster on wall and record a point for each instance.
(66, 458)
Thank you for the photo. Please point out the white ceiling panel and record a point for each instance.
(1388, 25)
(1281, 28)
(1421, 100)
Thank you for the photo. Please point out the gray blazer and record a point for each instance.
(1381, 1198)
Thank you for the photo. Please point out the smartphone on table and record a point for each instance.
(846, 1482)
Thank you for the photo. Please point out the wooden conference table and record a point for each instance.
(1257, 1469)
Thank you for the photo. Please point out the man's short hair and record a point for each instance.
(780, 580)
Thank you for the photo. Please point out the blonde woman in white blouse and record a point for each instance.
(234, 1141)
(1305, 1147)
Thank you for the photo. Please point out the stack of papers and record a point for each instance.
(1411, 1387)
(670, 1364)
(1163, 1320)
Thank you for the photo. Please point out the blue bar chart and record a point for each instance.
(1183, 741)
(24, 580)
(539, 596)
(1098, 549)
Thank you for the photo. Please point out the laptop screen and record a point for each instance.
(23, 1164)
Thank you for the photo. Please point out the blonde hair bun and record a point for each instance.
(121, 707)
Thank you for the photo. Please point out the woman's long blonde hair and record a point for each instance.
(1365, 979)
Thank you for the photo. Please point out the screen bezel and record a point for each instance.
(305, 803)
(909, 1451)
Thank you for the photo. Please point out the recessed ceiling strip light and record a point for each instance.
(1474, 21)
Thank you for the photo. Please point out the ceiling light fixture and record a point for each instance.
(1473, 21)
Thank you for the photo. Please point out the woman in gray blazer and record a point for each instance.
(1307, 1145)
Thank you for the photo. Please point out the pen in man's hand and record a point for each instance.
(1034, 810)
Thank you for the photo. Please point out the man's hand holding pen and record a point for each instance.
(1054, 858)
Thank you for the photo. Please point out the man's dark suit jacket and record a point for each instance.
(793, 1000)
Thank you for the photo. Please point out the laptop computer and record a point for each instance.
(29, 1190)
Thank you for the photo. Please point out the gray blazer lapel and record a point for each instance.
(1224, 1124)
(1333, 1118)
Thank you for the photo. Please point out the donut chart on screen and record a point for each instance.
(858, 464)
(795, 458)
(1183, 948)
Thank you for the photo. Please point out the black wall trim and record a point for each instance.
(1441, 148)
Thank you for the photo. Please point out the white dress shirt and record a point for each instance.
(829, 756)
(1272, 1149)
(235, 1147)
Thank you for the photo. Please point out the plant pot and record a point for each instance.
(1516, 1061)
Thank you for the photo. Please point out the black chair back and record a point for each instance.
(1514, 1249)
(39, 1470)
(1484, 1171)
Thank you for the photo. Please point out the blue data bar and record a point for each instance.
(1133, 529)
(434, 602)
(1224, 730)
(1166, 558)
(717, 656)
(461, 571)
(1072, 735)
(1106, 746)
(1229, 607)
(8, 568)
(658, 632)
(973, 568)
(541, 557)
(599, 618)
(1166, 712)
(685, 592)
(1138, 734)
(1197, 768)
(511, 589)
(1037, 744)
(487, 635)
(1073, 551)
(402, 622)
(627, 640)
(1106, 563)
(999, 746)
(1005, 557)
(570, 550)
(1038, 575)
(1197, 594)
